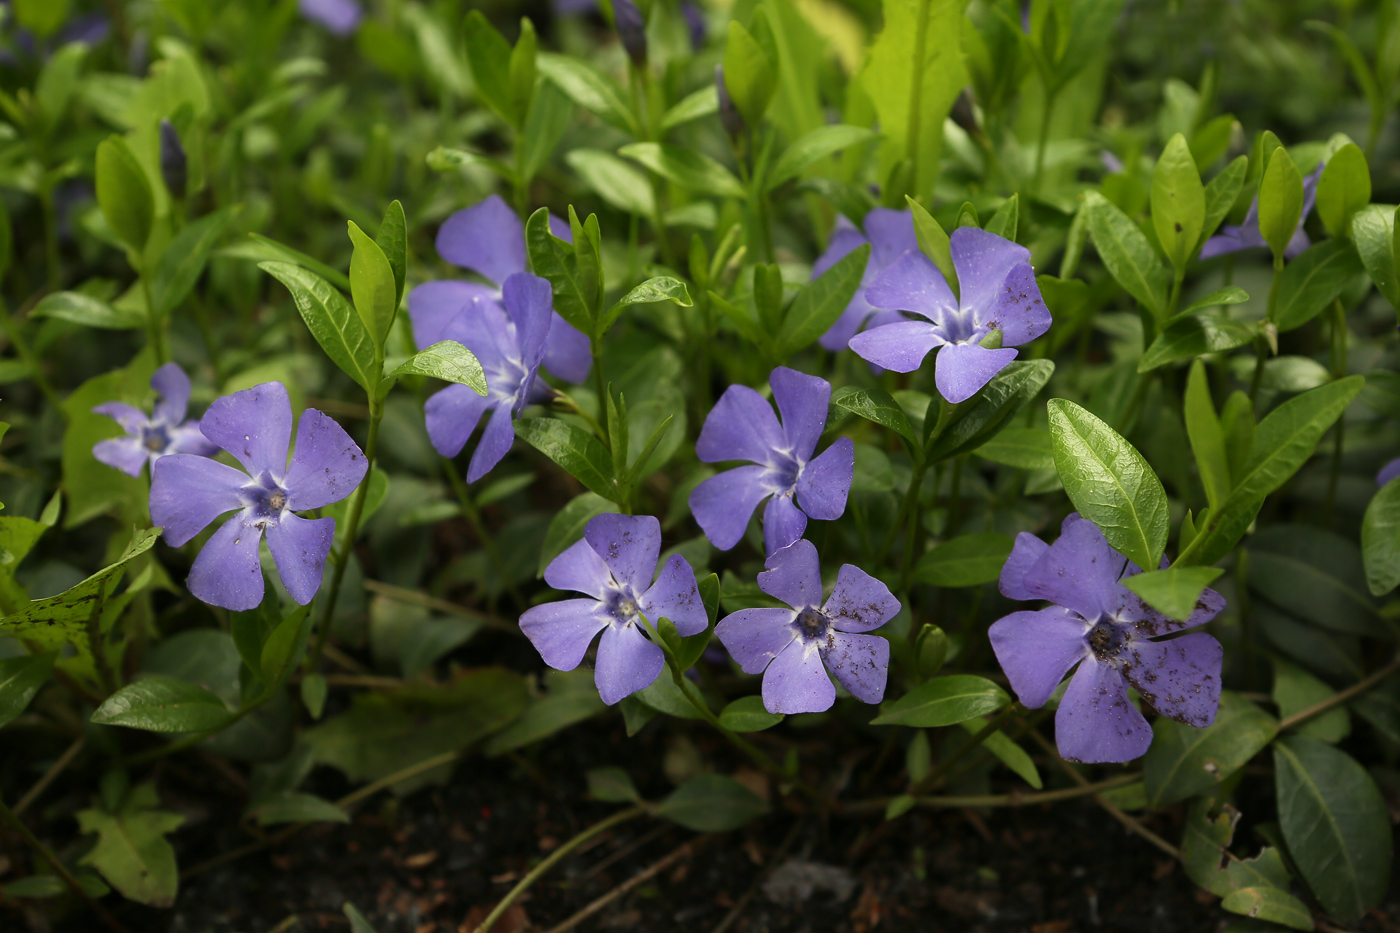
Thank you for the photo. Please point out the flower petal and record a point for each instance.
(1019, 310)
(486, 238)
(255, 425)
(452, 415)
(1388, 472)
(859, 602)
(857, 313)
(340, 17)
(794, 576)
(741, 426)
(783, 523)
(913, 283)
(1148, 622)
(675, 596)
(494, 444)
(982, 261)
(860, 662)
(1096, 722)
(845, 238)
(131, 419)
(796, 681)
(963, 369)
(124, 453)
(825, 482)
(529, 300)
(1179, 678)
(326, 466)
(433, 305)
(579, 569)
(802, 402)
(299, 546)
(723, 504)
(754, 637)
(627, 662)
(173, 386)
(1027, 550)
(561, 632)
(567, 354)
(188, 492)
(628, 544)
(189, 439)
(1079, 571)
(1228, 241)
(227, 572)
(1037, 649)
(891, 234)
(900, 347)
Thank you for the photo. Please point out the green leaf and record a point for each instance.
(1229, 295)
(665, 696)
(1006, 219)
(521, 70)
(1178, 203)
(1206, 435)
(87, 311)
(814, 146)
(1183, 761)
(577, 452)
(1023, 448)
(1296, 690)
(488, 56)
(1280, 201)
(124, 193)
(589, 90)
(332, 321)
(568, 523)
(313, 694)
(374, 498)
(184, 259)
(551, 115)
(295, 807)
(877, 406)
(1193, 335)
(687, 168)
(969, 560)
(447, 360)
(620, 183)
(132, 852)
(1127, 254)
(358, 923)
(693, 106)
(821, 302)
(1221, 194)
(934, 242)
(20, 678)
(373, 285)
(749, 76)
(1316, 575)
(1313, 280)
(163, 704)
(284, 647)
(1372, 230)
(747, 714)
(980, 418)
(711, 803)
(611, 785)
(392, 239)
(445, 159)
(660, 288)
(1110, 483)
(258, 248)
(1343, 189)
(1174, 591)
(1006, 751)
(1269, 904)
(555, 260)
(1336, 825)
(1380, 539)
(943, 701)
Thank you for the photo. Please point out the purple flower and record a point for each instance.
(694, 24)
(188, 492)
(790, 646)
(998, 292)
(890, 234)
(340, 17)
(797, 486)
(509, 339)
(487, 238)
(1109, 632)
(164, 432)
(631, 29)
(1232, 239)
(1388, 472)
(613, 564)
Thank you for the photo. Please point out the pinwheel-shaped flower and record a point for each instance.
(741, 426)
(488, 238)
(613, 564)
(794, 648)
(1232, 239)
(509, 340)
(1111, 634)
(890, 234)
(189, 492)
(998, 292)
(164, 432)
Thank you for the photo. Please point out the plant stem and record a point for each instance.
(916, 480)
(1013, 799)
(1340, 697)
(622, 816)
(155, 329)
(51, 256)
(488, 543)
(972, 742)
(36, 370)
(54, 771)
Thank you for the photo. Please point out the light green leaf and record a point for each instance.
(447, 360)
(1193, 335)
(943, 701)
(184, 259)
(693, 106)
(1280, 201)
(577, 452)
(691, 170)
(1271, 905)
(749, 76)
(1023, 448)
(393, 241)
(332, 321)
(1372, 230)
(1007, 752)
(87, 311)
(1178, 203)
(620, 183)
(1343, 189)
(1207, 436)
(1380, 539)
(934, 242)
(488, 56)
(813, 147)
(373, 285)
(163, 704)
(1221, 194)
(124, 193)
(660, 288)
(589, 90)
(132, 852)
(1229, 295)
(1174, 591)
(1127, 254)
(1296, 690)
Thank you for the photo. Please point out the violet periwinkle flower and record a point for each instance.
(165, 431)
(509, 340)
(729, 116)
(339, 17)
(613, 565)
(1107, 630)
(794, 648)
(1232, 239)
(797, 485)
(487, 238)
(174, 167)
(695, 25)
(890, 234)
(189, 492)
(998, 292)
(1388, 472)
(631, 29)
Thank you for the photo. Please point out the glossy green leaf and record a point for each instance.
(969, 560)
(688, 168)
(1343, 189)
(332, 320)
(877, 406)
(1126, 252)
(1229, 295)
(1372, 230)
(1006, 219)
(978, 420)
(1288, 436)
(163, 704)
(447, 360)
(258, 248)
(124, 193)
(1206, 435)
(20, 678)
(372, 285)
(1380, 539)
(392, 239)
(1178, 203)
(1221, 194)
(577, 452)
(1313, 280)
(711, 803)
(185, 258)
(1184, 761)
(943, 701)
(1193, 335)
(660, 288)
(934, 242)
(822, 302)
(555, 260)
(747, 714)
(1280, 201)
(813, 147)
(87, 311)
(1175, 591)
(1110, 483)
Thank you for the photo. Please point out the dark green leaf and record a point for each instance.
(393, 240)
(969, 560)
(332, 321)
(1380, 539)
(711, 803)
(661, 288)
(577, 452)
(821, 302)
(701, 103)
(1229, 295)
(1269, 904)
(132, 852)
(124, 193)
(978, 420)
(568, 523)
(1195, 335)
(1313, 280)
(20, 678)
(488, 56)
(1314, 574)
(611, 785)
(1127, 254)
(1221, 194)
(554, 259)
(1006, 751)
(877, 406)
(1206, 435)
(1023, 448)
(943, 701)
(163, 704)
(258, 248)
(296, 807)
(1184, 761)
(747, 714)
(1296, 690)
(184, 259)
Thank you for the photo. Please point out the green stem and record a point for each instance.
(600, 387)
(972, 742)
(1013, 799)
(906, 507)
(59, 868)
(488, 542)
(155, 328)
(36, 370)
(51, 255)
(98, 645)
(1044, 139)
(553, 859)
(914, 126)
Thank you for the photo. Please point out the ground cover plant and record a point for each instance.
(772, 420)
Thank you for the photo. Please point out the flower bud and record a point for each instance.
(631, 29)
(729, 115)
(173, 166)
(694, 24)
